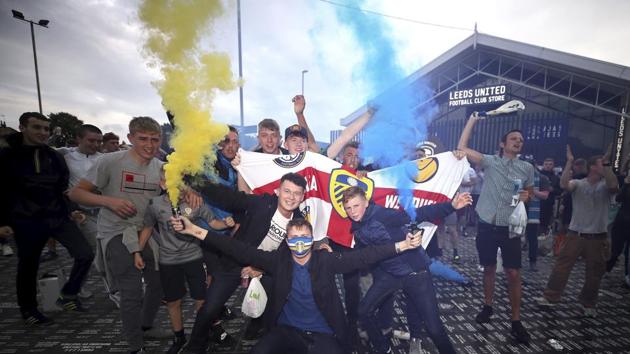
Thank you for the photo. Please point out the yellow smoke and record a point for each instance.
(191, 78)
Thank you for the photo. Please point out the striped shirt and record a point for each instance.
(500, 185)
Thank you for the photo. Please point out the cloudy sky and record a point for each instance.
(91, 65)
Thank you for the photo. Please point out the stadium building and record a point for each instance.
(569, 99)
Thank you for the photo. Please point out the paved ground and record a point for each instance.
(99, 330)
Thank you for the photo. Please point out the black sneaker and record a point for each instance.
(484, 315)
(519, 332)
(36, 318)
(219, 336)
(227, 314)
(70, 304)
(178, 345)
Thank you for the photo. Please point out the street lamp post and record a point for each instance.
(43, 23)
(303, 72)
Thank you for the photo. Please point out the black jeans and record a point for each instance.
(421, 302)
(30, 239)
(352, 292)
(285, 339)
(221, 288)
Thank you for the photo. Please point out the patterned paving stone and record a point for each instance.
(98, 331)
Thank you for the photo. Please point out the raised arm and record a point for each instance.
(299, 104)
(472, 155)
(362, 258)
(236, 249)
(442, 210)
(350, 132)
(567, 173)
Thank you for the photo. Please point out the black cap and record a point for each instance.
(295, 130)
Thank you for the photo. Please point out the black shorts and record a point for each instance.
(490, 238)
(175, 276)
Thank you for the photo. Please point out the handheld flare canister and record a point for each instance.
(177, 213)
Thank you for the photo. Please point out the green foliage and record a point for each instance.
(68, 123)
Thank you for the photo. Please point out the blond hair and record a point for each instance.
(144, 124)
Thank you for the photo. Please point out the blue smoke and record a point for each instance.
(398, 125)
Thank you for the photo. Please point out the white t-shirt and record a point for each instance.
(468, 176)
(276, 234)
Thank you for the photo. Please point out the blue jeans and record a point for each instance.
(421, 305)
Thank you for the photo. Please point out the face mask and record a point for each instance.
(300, 246)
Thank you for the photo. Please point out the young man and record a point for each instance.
(127, 180)
(296, 139)
(547, 205)
(269, 138)
(32, 204)
(263, 225)
(376, 225)
(111, 143)
(181, 259)
(305, 314)
(79, 161)
(507, 180)
(587, 235)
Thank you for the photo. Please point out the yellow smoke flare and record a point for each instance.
(191, 79)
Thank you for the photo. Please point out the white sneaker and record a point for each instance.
(401, 334)
(7, 250)
(415, 346)
(542, 301)
(85, 293)
(115, 297)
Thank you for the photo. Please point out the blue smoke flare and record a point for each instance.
(398, 125)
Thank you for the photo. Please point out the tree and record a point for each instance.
(68, 124)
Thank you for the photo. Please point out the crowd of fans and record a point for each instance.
(107, 204)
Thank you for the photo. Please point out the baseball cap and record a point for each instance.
(295, 129)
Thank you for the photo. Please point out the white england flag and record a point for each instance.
(434, 179)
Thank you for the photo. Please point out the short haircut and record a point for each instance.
(232, 129)
(299, 223)
(294, 178)
(26, 115)
(352, 144)
(144, 124)
(352, 192)
(549, 159)
(592, 161)
(270, 124)
(87, 128)
(504, 137)
(110, 136)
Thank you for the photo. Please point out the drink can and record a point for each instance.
(518, 185)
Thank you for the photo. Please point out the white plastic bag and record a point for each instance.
(255, 299)
(518, 220)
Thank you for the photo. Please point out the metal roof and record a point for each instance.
(596, 68)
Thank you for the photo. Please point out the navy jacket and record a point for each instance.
(322, 268)
(381, 225)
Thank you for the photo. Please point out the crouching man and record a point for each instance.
(305, 314)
